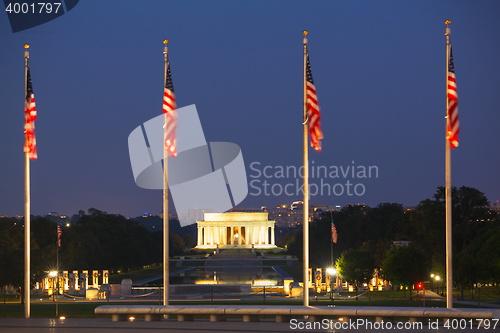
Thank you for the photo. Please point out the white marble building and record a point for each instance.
(236, 230)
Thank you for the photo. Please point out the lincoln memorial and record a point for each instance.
(236, 230)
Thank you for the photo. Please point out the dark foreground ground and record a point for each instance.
(95, 325)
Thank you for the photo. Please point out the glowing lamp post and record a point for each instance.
(437, 285)
(53, 274)
(331, 272)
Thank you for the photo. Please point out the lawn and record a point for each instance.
(67, 309)
(295, 270)
(141, 274)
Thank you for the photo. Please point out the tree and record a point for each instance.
(472, 221)
(391, 220)
(11, 252)
(469, 213)
(353, 226)
(405, 265)
(106, 241)
(356, 267)
(489, 257)
(429, 220)
(357, 225)
(43, 247)
(189, 241)
(293, 242)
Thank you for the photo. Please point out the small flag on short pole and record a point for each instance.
(315, 130)
(169, 107)
(59, 233)
(453, 126)
(29, 120)
(334, 233)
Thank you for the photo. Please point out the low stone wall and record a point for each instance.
(315, 313)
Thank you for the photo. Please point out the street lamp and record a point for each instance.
(432, 276)
(437, 285)
(331, 272)
(53, 274)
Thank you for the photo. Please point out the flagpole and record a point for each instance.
(27, 210)
(165, 200)
(449, 267)
(306, 184)
(333, 266)
(57, 270)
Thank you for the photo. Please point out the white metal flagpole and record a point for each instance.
(165, 200)
(306, 184)
(449, 267)
(27, 210)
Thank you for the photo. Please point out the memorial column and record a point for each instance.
(272, 236)
(199, 235)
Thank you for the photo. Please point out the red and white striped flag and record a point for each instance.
(313, 110)
(29, 120)
(335, 235)
(59, 233)
(453, 126)
(169, 107)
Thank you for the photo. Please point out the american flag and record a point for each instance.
(335, 236)
(453, 127)
(59, 233)
(171, 115)
(312, 105)
(29, 120)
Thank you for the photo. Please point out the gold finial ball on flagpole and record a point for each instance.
(165, 41)
(305, 32)
(447, 22)
(26, 46)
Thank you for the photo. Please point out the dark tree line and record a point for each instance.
(476, 230)
(358, 226)
(97, 240)
(476, 235)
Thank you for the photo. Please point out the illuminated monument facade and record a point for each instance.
(236, 230)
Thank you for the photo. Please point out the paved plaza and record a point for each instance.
(78, 325)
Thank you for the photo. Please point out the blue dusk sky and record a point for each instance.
(380, 73)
